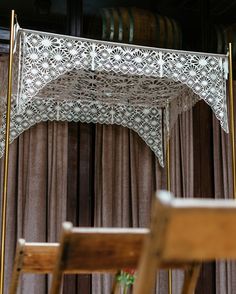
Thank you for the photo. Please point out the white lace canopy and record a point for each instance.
(66, 78)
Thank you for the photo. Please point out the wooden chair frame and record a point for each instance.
(85, 250)
(189, 231)
(107, 244)
(178, 238)
(38, 258)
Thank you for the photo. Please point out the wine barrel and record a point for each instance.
(221, 36)
(217, 39)
(135, 26)
(230, 32)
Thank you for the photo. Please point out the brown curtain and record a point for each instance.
(37, 193)
(127, 174)
(182, 173)
(223, 184)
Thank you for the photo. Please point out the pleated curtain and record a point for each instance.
(126, 174)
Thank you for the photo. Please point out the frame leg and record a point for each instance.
(56, 282)
(17, 266)
(58, 272)
(146, 275)
(6, 159)
(191, 278)
(115, 286)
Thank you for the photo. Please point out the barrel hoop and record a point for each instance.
(104, 25)
(115, 16)
(220, 39)
(112, 26)
(158, 29)
(180, 35)
(107, 23)
(174, 34)
(120, 26)
(165, 32)
(170, 33)
(225, 43)
(162, 31)
(131, 26)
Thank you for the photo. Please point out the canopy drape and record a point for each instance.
(64, 78)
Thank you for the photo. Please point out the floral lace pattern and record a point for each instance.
(75, 79)
(145, 121)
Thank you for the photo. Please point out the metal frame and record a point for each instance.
(232, 131)
(6, 156)
(169, 189)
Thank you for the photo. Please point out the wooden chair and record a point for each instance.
(37, 258)
(82, 250)
(179, 239)
(89, 250)
(188, 231)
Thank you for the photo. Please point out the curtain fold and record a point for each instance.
(36, 193)
(223, 184)
(126, 176)
(182, 172)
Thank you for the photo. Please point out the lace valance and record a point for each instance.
(66, 78)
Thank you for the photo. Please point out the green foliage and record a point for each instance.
(126, 278)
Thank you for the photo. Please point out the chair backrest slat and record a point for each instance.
(187, 231)
(39, 257)
(102, 250)
(201, 234)
(194, 229)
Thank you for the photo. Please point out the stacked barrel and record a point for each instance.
(135, 26)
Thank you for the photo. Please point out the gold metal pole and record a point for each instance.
(231, 99)
(168, 164)
(168, 188)
(6, 156)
